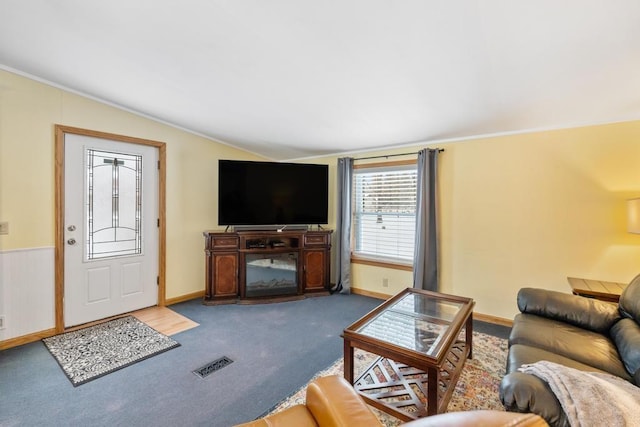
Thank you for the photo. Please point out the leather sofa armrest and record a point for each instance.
(520, 392)
(626, 336)
(334, 402)
(587, 313)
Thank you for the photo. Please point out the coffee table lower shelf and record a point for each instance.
(403, 391)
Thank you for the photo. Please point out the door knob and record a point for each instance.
(71, 241)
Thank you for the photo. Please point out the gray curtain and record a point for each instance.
(425, 262)
(342, 250)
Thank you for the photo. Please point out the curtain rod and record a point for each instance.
(395, 155)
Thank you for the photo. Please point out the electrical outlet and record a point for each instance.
(385, 282)
(2, 322)
(4, 227)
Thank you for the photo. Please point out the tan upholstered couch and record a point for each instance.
(332, 402)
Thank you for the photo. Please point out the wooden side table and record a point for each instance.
(604, 291)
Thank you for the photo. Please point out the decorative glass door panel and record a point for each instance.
(113, 205)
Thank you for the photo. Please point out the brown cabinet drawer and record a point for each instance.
(225, 242)
(316, 240)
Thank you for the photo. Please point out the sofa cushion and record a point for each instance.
(587, 313)
(626, 336)
(520, 354)
(629, 304)
(572, 342)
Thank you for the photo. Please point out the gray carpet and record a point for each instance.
(275, 348)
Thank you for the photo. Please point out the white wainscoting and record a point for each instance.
(27, 291)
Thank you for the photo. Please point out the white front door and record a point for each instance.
(110, 228)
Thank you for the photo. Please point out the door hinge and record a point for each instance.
(158, 222)
(158, 164)
(158, 280)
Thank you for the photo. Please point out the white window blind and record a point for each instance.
(384, 212)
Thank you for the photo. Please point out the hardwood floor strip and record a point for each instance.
(164, 320)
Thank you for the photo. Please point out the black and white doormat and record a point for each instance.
(89, 353)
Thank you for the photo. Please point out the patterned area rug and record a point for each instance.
(89, 353)
(477, 387)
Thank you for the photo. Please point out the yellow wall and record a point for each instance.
(28, 112)
(529, 210)
(518, 210)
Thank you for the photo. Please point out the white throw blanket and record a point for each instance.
(590, 398)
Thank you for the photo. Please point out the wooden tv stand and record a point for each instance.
(264, 266)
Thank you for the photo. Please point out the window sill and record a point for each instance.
(380, 263)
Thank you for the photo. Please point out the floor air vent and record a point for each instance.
(211, 367)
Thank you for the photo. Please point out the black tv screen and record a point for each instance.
(269, 193)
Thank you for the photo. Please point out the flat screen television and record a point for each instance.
(270, 193)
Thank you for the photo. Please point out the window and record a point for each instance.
(384, 212)
(113, 204)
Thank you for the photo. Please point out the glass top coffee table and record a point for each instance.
(423, 339)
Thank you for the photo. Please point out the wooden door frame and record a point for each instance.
(60, 131)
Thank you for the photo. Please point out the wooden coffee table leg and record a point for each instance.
(432, 390)
(348, 362)
(469, 334)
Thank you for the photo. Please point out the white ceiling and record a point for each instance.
(297, 78)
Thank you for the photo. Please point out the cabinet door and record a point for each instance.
(315, 270)
(225, 274)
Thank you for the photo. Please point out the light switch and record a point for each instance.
(4, 227)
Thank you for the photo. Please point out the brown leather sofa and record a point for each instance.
(332, 402)
(573, 331)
